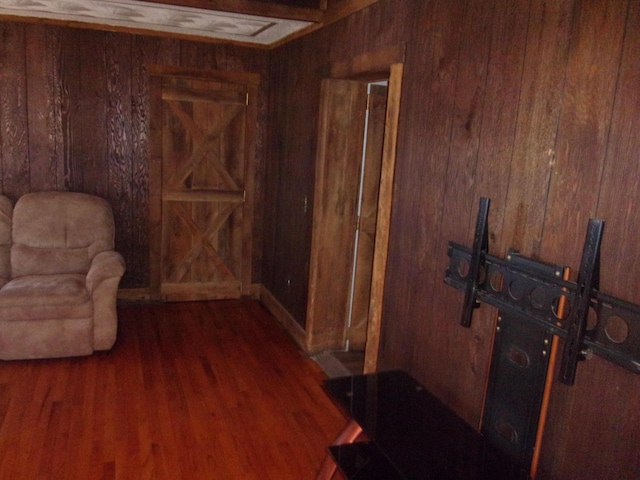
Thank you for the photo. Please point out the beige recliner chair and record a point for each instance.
(59, 276)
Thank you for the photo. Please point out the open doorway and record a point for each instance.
(352, 354)
(352, 204)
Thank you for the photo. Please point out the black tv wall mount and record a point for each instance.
(590, 322)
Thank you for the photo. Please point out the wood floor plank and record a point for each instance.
(198, 390)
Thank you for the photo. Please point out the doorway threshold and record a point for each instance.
(340, 364)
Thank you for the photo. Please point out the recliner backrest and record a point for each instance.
(59, 232)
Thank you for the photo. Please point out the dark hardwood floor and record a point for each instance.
(201, 390)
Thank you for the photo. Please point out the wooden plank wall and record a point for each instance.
(533, 104)
(74, 115)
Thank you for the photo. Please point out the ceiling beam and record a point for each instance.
(334, 10)
(250, 7)
(338, 9)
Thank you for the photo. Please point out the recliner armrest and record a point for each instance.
(102, 283)
(105, 265)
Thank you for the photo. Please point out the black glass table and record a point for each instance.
(410, 434)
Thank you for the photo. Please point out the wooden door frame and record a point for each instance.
(383, 223)
(386, 63)
(252, 82)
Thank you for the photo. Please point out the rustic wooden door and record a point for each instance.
(205, 217)
(341, 129)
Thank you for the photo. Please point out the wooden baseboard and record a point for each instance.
(254, 290)
(135, 295)
(145, 295)
(281, 314)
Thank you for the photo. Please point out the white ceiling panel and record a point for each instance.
(158, 17)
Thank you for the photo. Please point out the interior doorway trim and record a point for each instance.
(384, 219)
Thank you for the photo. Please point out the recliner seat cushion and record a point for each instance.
(40, 297)
(50, 338)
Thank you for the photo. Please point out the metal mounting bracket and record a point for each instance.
(592, 321)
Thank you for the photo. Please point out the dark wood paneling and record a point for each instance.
(75, 115)
(433, 57)
(455, 371)
(14, 130)
(144, 52)
(604, 144)
(119, 135)
(534, 104)
(583, 129)
(619, 199)
(45, 104)
(86, 78)
(500, 111)
(537, 123)
(490, 177)
(396, 346)
(579, 158)
(290, 174)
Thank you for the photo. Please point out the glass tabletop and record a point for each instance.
(417, 434)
